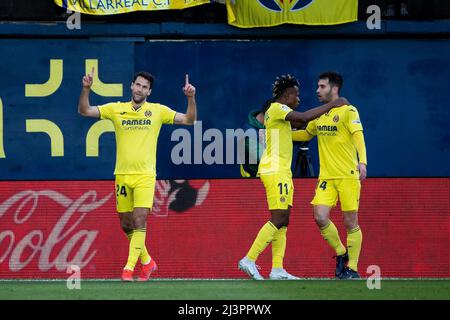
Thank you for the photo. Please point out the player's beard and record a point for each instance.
(325, 98)
(137, 99)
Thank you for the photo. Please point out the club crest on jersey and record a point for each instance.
(277, 5)
(148, 113)
(336, 118)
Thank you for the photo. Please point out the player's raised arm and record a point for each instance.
(305, 117)
(84, 107)
(190, 116)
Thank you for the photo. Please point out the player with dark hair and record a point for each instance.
(137, 124)
(343, 161)
(276, 175)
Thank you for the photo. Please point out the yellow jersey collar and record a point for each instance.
(139, 108)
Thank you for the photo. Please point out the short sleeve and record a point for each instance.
(353, 122)
(106, 110)
(279, 111)
(167, 114)
(311, 128)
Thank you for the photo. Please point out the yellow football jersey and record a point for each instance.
(277, 156)
(337, 153)
(136, 134)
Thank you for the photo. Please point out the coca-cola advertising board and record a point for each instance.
(201, 228)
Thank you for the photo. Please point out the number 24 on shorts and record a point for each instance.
(121, 191)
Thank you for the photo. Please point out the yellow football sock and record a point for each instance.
(129, 235)
(354, 242)
(331, 235)
(144, 256)
(264, 237)
(137, 243)
(279, 247)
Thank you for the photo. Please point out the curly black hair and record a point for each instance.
(282, 83)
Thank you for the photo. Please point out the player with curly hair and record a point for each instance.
(276, 175)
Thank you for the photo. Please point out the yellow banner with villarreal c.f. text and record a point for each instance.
(268, 13)
(102, 7)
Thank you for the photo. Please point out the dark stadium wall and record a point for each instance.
(398, 86)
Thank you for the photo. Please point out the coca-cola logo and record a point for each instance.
(63, 234)
(46, 230)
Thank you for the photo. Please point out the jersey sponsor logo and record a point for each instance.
(327, 128)
(136, 124)
(277, 5)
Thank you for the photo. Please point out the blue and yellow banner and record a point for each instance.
(103, 7)
(268, 13)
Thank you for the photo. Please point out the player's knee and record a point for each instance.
(284, 222)
(127, 225)
(350, 225)
(280, 224)
(281, 221)
(127, 229)
(321, 220)
(140, 222)
(350, 221)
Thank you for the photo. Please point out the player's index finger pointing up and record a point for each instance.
(186, 81)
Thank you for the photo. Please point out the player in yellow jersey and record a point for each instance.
(275, 173)
(343, 161)
(137, 124)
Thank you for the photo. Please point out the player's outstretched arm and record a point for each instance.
(84, 107)
(301, 135)
(190, 116)
(305, 117)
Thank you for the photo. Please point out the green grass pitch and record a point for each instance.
(162, 289)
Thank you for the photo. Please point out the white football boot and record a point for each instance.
(250, 268)
(281, 274)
